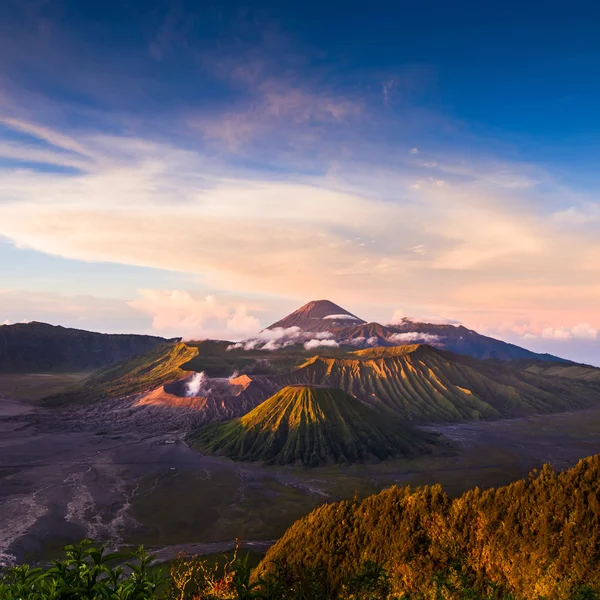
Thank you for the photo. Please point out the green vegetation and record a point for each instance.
(312, 426)
(145, 372)
(533, 539)
(42, 348)
(568, 370)
(86, 573)
(34, 386)
(423, 384)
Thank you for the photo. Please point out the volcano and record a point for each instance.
(319, 315)
(312, 426)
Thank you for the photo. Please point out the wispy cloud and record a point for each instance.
(141, 202)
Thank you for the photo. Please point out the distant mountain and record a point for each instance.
(459, 339)
(318, 315)
(568, 370)
(312, 425)
(39, 347)
(349, 330)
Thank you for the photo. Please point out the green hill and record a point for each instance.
(536, 538)
(42, 348)
(423, 384)
(312, 426)
(157, 367)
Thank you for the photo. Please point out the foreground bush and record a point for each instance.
(538, 538)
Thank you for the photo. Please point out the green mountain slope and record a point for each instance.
(536, 538)
(41, 348)
(157, 367)
(312, 426)
(423, 384)
(567, 370)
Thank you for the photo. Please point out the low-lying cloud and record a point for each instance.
(414, 336)
(316, 343)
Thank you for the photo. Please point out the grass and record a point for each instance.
(213, 506)
(34, 386)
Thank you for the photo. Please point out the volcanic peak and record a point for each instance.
(318, 315)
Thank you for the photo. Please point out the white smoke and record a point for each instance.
(414, 336)
(195, 384)
(316, 343)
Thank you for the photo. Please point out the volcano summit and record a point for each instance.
(318, 315)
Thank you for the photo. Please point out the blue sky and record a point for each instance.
(190, 168)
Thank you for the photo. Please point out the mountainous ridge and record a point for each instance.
(354, 331)
(312, 425)
(39, 347)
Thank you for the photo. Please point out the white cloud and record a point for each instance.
(414, 151)
(316, 343)
(341, 317)
(583, 331)
(414, 336)
(419, 249)
(271, 339)
(183, 314)
(583, 214)
(397, 316)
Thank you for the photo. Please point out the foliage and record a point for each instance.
(85, 574)
(536, 538)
